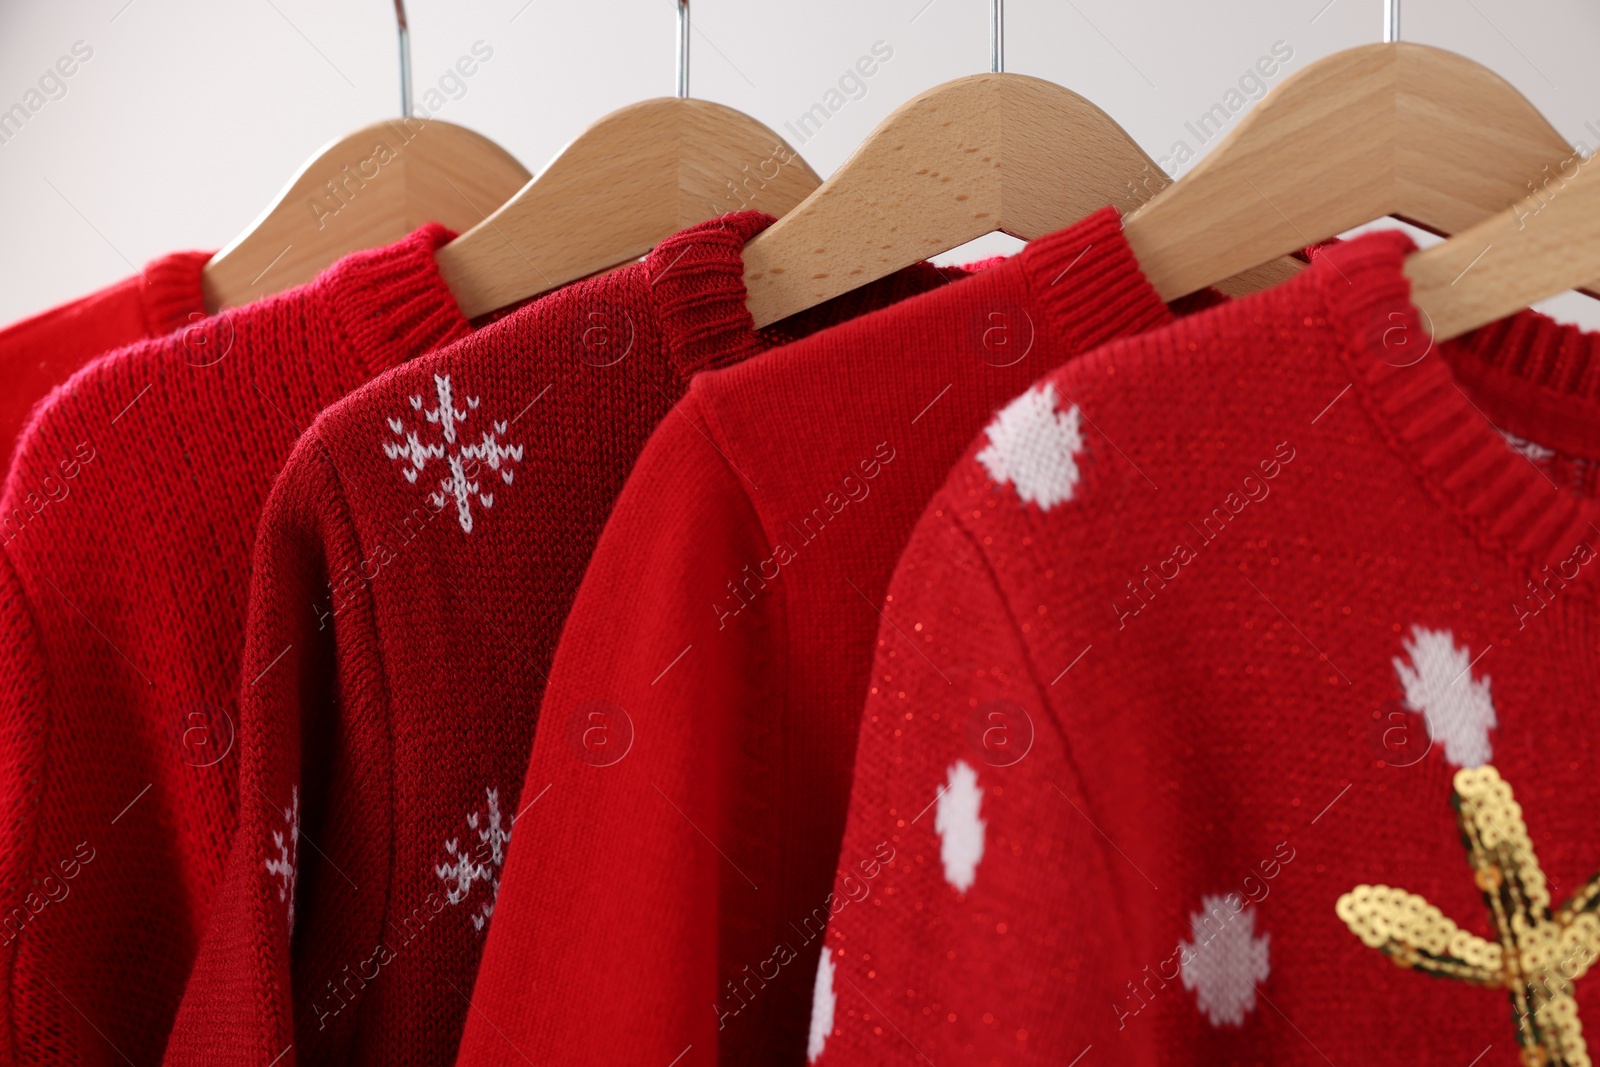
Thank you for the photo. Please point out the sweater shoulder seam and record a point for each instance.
(992, 579)
(337, 509)
(779, 654)
(1046, 707)
(722, 443)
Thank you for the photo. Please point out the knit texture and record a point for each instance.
(127, 522)
(416, 560)
(695, 742)
(1191, 644)
(42, 351)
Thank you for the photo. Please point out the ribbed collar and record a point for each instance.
(392, 302)
(1089, 285)
(1085, 279)
(169, 292)
(1525, 374)
(696, 280)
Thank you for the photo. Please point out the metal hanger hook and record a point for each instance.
(406, 109)
(1391, 21)
(997, 36)
(683, 49)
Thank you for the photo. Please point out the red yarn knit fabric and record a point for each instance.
(127, 523)
(695, 742)
(42, 351)
(1194, 642)
(416, 560)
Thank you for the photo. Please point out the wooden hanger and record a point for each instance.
(364, 190)
(634, 178)
(1397, 129)
(1544, 245)
(361, 191)
(982, 153)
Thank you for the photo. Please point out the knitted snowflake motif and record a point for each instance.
(1226, 959)
(1535, 452)
(285, 866)
(480, 863)
(462, 478)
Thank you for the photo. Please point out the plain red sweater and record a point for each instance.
(127, 523)
(1204, 632)
(694, 746)
(416, 560)
(40, 352)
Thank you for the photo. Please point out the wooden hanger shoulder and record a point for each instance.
(626, 183)
(1491, 148)
(963, 159)
(364, 190)
(1385, 129)
(1546, 244)
(975, 155)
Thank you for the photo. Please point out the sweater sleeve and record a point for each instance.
(23, 722)
(605, 944)
(309, 862)
(972, 917)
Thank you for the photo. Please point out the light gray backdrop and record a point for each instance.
(190, 115)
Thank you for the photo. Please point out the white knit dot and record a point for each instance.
(1035, 447)
(822, 1004)
(1439, 686)
(959, 826)
(1226, 959)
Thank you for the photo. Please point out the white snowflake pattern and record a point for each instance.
(1531, 449)
(1035, 447)
(286, 865)
(480, 863)
(1439, 686)
(1226, 959)
(454, 451)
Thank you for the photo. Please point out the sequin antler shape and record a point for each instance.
(1540, 953)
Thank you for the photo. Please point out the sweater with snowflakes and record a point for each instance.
(1210, 639)
(416, 560)
(126, 524)
(694, 747)
(42, 351)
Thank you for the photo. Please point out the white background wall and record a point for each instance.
(191, 114)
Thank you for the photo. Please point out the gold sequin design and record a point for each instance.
(1540, 953)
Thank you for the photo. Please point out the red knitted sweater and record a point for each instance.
(42, 351)
(1198, 638)
(416, 560)
(694, 746)
(127, 522)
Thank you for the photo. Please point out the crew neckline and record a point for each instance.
(392, 302)
(1089, 285)
(170, 293)
(1528, 373)
(1084, 280)
(696, 283)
